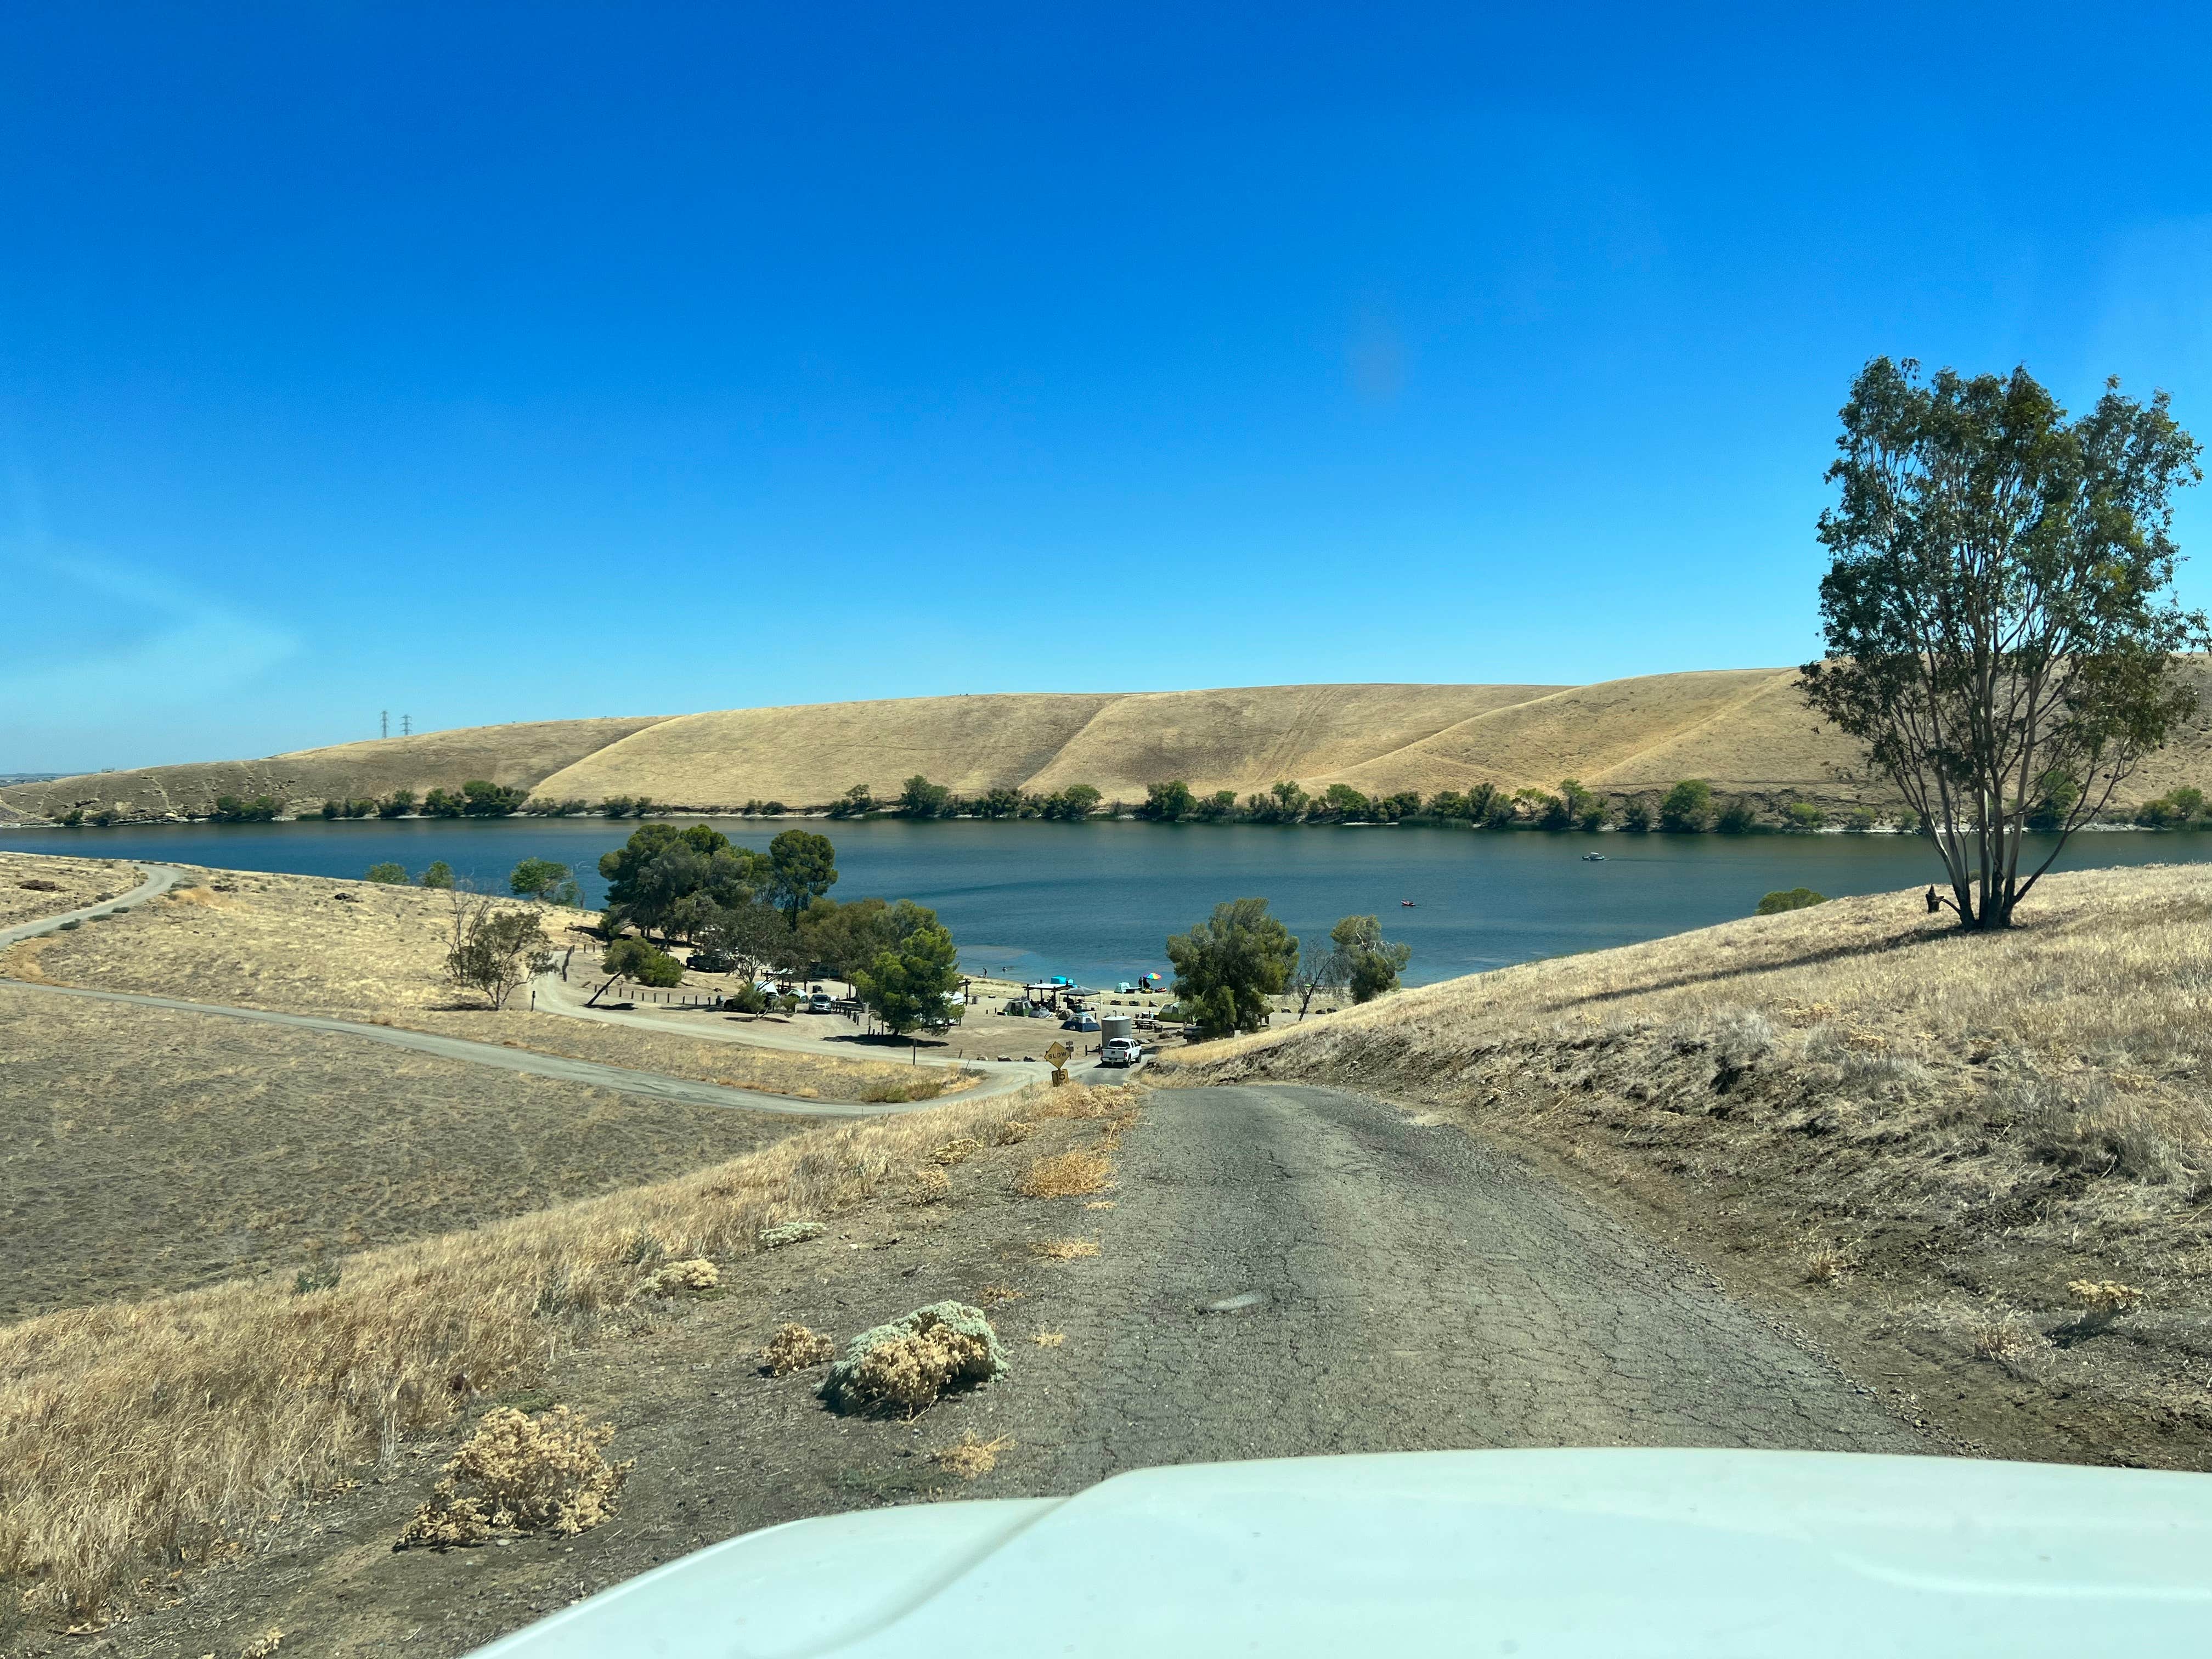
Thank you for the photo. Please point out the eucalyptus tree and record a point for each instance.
(1998, 614)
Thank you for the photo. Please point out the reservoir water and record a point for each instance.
(1096, 901)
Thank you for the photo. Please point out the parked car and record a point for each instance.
(821, 1002)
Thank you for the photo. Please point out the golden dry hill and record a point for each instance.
(1746, 730)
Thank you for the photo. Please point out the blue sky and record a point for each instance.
(495, 363)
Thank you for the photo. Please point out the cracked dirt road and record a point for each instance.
(1372, 1284)
(1392, 1286)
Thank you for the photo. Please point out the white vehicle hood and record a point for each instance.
(1596, 1554)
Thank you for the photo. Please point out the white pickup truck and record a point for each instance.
(1120, 1051)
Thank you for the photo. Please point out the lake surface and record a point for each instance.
(1096, 901)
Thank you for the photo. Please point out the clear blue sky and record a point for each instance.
(499, 363)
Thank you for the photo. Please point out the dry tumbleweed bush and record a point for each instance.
(1828, 1265)
(795, 1348)
(928, 1185)
(2105, 1296)
(971, 1456)
(956, 1151)
(2009, 1337)
(1011, 1133)
(695, 1274)
(521, 1473)
(1049, 1338)
(1070, 1174)
(262, 1645)
(910, 1362)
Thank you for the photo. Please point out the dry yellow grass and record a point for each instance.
(971, 1456)
(160, 1429)
(1065, 1250)
(1743, 729)
(1066, 1175)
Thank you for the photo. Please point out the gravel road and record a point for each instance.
(1294, 1270)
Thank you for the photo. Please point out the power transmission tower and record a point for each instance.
(406, 725)
(384, 723)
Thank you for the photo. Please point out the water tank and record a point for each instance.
(1116, 1025)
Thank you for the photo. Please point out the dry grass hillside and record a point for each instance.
(179, 1430)
(519, 755)
(32, 886)
(149, 1149)
(1932, 1148)
(365, 952)
(1746, 730)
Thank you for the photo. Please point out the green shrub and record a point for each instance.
(2175, 810)
(387, 875)
(1804, 814)
(73, 923)
(481, 798)
(1796, 898)
(1862, 820)
(646, 963)
(1686, 807)
(230, 809)
(1736, 818)
(440, 874)
(747, 999)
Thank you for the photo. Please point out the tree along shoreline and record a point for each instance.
(1690, 806)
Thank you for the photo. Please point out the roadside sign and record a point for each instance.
(1058, 1054)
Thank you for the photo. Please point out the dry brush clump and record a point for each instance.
(913, 1361)
(521, 1473)
(158, 1429)
(673, 1278)
(2104, 1297)
(2006, 1335)
(1829, 1264)
(795, 1347)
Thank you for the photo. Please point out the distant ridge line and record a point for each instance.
(1745, 730)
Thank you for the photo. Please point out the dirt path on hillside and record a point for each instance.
(1291, 1271)
(1282, 1271)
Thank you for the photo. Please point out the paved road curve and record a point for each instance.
(653, 1085)
(1295, 1270)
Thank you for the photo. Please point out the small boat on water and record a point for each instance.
(1405, 904)
(1592, 858)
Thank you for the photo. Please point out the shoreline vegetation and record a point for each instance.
(1691, 806)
